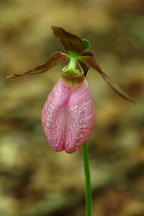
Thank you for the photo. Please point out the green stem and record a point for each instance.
(88, 193)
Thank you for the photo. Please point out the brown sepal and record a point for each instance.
(91, 62)
(53, 60)
(69, 41)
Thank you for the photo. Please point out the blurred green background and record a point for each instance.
(35, 180)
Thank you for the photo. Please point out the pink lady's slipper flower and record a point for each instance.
(68, 116)
(68, 113)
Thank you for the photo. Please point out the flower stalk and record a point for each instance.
(88, 192)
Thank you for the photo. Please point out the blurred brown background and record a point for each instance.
(35, 180)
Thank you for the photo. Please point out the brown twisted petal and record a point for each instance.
(91, 62)
(53, 60)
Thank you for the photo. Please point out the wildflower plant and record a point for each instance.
(68, 113)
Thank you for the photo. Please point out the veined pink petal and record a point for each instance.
(68, 117)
